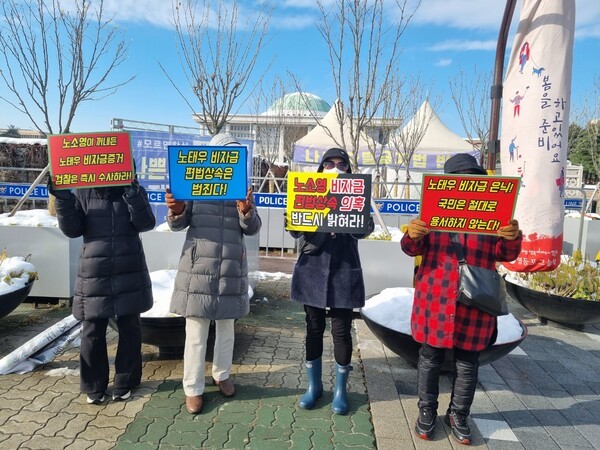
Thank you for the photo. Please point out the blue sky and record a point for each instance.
(445, 35)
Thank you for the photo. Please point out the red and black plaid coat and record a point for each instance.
(437, 318)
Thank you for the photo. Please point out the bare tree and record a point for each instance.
(218, 54)
(363, 50)
(407, 103)
(470, 93)
(54, 58)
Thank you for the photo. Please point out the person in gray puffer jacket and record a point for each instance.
(211, 282)
(112, 280)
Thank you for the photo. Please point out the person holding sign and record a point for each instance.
(112, 280)
(211, 282)
(440, 322)
(328, 274)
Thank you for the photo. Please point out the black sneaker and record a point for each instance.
(460, 427)
(97, 398)
(121, 394)
(425, 423)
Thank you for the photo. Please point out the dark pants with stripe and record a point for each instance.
(93, 357)
(341, 325)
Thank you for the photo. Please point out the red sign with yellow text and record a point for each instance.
(468, 203)
(90, 159)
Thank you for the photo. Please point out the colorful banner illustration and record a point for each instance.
(90, 159)
(468, 203)
(535, 124)
(202, 172)
(325, 202)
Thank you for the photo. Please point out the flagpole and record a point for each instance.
(496, 90)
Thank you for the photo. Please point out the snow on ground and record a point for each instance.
(29, 218)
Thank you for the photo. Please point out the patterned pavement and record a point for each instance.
(543, 395)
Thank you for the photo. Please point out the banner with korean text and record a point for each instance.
(468, 203)
(535, 124)
(208, 172)
(325, 202)
(90, 159)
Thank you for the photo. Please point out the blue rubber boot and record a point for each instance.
(340, 396)
(315, 385)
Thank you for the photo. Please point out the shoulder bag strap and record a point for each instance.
(458, 248)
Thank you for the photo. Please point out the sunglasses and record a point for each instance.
(330, 165)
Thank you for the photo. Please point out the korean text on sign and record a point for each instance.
(90, 160)
(468, 203)
(207, 172)
(338, 203)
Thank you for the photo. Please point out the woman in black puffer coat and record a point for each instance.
(112, 280)
(328, 275)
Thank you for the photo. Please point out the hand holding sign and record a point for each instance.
(511, 231)
(244, 206)
(175, 206)
(417, 229)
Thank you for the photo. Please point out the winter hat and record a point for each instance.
(463, 162)
(335, 153)
(223, 139)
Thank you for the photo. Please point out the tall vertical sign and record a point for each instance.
(535, 124)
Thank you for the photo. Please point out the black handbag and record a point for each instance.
(479, 288)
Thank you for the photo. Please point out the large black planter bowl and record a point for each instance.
(168, 334)
(564, 310)
(10, 300)
(407, 348)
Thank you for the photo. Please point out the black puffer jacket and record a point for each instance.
(112, 276)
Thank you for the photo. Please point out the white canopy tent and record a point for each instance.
(309, 149)
(437, 145)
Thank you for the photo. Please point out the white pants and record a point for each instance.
(194, 355)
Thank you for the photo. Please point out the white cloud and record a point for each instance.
(465, 45)
(443, 62)
(464, 14)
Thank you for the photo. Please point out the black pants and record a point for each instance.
(465, 379)
(93, 357)
(341, 324)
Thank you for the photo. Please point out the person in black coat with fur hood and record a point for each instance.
(328, 275)
(112, 280)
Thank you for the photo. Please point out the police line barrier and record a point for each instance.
(411, 207)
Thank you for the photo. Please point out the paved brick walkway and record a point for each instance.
(545, 395)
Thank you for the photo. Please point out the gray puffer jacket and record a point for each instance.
(112, 276)
(212, 278)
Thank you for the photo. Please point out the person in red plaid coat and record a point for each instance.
(440, 322)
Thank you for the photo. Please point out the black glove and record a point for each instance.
(62, 194)
(133, 189)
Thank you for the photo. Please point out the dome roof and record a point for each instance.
(299, 104)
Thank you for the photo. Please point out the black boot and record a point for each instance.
(463, 392)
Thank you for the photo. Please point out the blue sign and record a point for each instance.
(156, 197)
(270, 200)
(208, 172)
(573, 203)
(18, 190)
(410, 207)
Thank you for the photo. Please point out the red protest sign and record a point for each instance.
(90, 159)
(468, 203)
